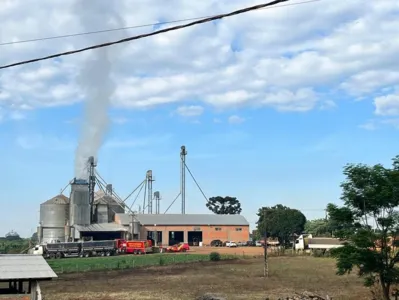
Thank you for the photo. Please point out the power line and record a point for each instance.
(206, 20)
(130, 27)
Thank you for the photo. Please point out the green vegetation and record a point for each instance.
(224, 205)
(370, 195)
(318, 228)
(73, 265)
(281, 222)
(214, 256)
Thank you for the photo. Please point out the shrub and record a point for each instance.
(214, 256)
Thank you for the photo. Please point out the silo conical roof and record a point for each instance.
(59, 199)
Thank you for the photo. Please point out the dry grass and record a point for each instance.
(240, 279)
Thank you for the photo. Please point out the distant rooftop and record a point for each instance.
(24, 266)
(187, 219)
(59, 199)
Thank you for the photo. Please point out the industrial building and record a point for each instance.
(103, 215)
(194, 229)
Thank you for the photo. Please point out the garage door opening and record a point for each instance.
(151, 237)
(194, 238)
(176, 237)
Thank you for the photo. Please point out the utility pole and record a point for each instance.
(266, 264)
(183, 154)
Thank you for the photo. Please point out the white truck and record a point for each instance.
(307, 242)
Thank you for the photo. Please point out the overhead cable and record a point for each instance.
(129, 27)
(206, 20)
(192, 176)
(134, 190)
(172, 203)
(137, 196)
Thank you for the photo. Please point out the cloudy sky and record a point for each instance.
(270, 104)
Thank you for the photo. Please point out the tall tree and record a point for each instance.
(224, 205)
(281, 222)
(369, 193)
(318, 227)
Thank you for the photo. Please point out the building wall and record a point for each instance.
(209, 232)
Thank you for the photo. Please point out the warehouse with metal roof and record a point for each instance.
(195, 229)
(22, 273)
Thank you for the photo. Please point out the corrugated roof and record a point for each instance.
(101, 197)
(187, 219)
(103, 227)
(24, 266)
(59, 199)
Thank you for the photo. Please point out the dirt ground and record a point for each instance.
(227, 250)
(239, 279)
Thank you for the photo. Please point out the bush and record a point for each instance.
(214, 256)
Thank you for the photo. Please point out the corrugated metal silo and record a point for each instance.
(79, 209)
(54, 215)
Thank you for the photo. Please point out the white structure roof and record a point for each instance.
(24, 266)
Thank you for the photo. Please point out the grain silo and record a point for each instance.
(54, 215)
(106, 207)
(79, 209)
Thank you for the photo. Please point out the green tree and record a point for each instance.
(224, 205)
(34, 238)
(369, 193)
(281, 222)
(318, 227)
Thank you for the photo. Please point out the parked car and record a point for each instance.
(231, 244)
(216, 243)
(241, 244)
(251, 243)
(258, 244)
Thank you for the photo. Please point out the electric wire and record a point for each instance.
(131, 27)
(201, 21)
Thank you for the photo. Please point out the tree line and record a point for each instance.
(367, 222)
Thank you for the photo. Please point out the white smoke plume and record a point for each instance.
(95, 79)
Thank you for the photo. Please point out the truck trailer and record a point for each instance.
(79, 249)
(308, 243)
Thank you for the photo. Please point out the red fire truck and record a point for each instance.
(138, 247)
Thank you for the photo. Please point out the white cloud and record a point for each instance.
(369, 125)
(234, 119)
(339, 48)
(190, 111)
(387, 105)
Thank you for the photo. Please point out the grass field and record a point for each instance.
(235, 279)
(76, 265)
